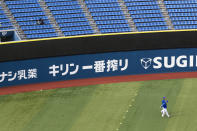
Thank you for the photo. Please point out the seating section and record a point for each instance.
(183, 13)
(5, 23)
(27, 13)
(70, 17)
(146, 15)
(108, 15)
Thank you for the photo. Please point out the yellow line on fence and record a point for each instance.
(95, 35)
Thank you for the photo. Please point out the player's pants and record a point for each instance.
(164, 112)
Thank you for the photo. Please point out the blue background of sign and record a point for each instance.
(134, 65)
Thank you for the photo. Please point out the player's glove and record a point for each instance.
(167, 101)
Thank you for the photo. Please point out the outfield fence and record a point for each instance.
(97, 65)
(61, 59)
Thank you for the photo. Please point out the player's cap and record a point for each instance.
(164, 97)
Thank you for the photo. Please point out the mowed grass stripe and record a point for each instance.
(102, 107)
(17, 110)
(145, 113)
(184, 110)
(106, 108)
(130, 105)
(61, 109)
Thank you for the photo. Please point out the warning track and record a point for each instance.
(94, 81)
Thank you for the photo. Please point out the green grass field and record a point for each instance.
(129, 106)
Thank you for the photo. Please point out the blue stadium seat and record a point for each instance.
(5, 23)
(108, 15)
(182, 13)
(67, 12)
(146, 15)
(27, 13)
(57, 0)
(43, 31)
(71, 7)
(77, 24)
(23, 6)
(29, 23)
(34, 36)
(111, 22)
(115, 30)
(63, 3)
(78, 32)
(36, 27)
(26, 10)
(70, 17)
(31, 18)
(20, 2)
(105, 9)
(83, 19)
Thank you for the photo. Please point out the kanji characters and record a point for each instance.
(32, 73)
(64, 69)
(18, 75)
(22, 74)
(99, 66)
(112, 64)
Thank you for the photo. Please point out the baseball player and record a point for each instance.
(164, 108)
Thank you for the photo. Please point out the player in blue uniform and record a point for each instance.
(164, 108)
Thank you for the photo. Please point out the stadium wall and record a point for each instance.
(158, 56)
(92, 44)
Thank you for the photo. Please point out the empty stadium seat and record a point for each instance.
(108, 15)
(5, 23)
(183, 13)
(146, 15)
(27, 13)
(70, 17)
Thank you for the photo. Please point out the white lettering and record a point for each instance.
(191, 61)
(172, 63)
(180, 62)
(156, 61)
(196, 60)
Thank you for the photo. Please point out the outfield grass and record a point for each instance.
(129, 106)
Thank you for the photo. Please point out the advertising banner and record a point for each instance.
(97, 65)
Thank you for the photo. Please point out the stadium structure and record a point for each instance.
(119, 58)
(82, 17)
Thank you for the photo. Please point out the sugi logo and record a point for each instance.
(146, 62)
(169, 62)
